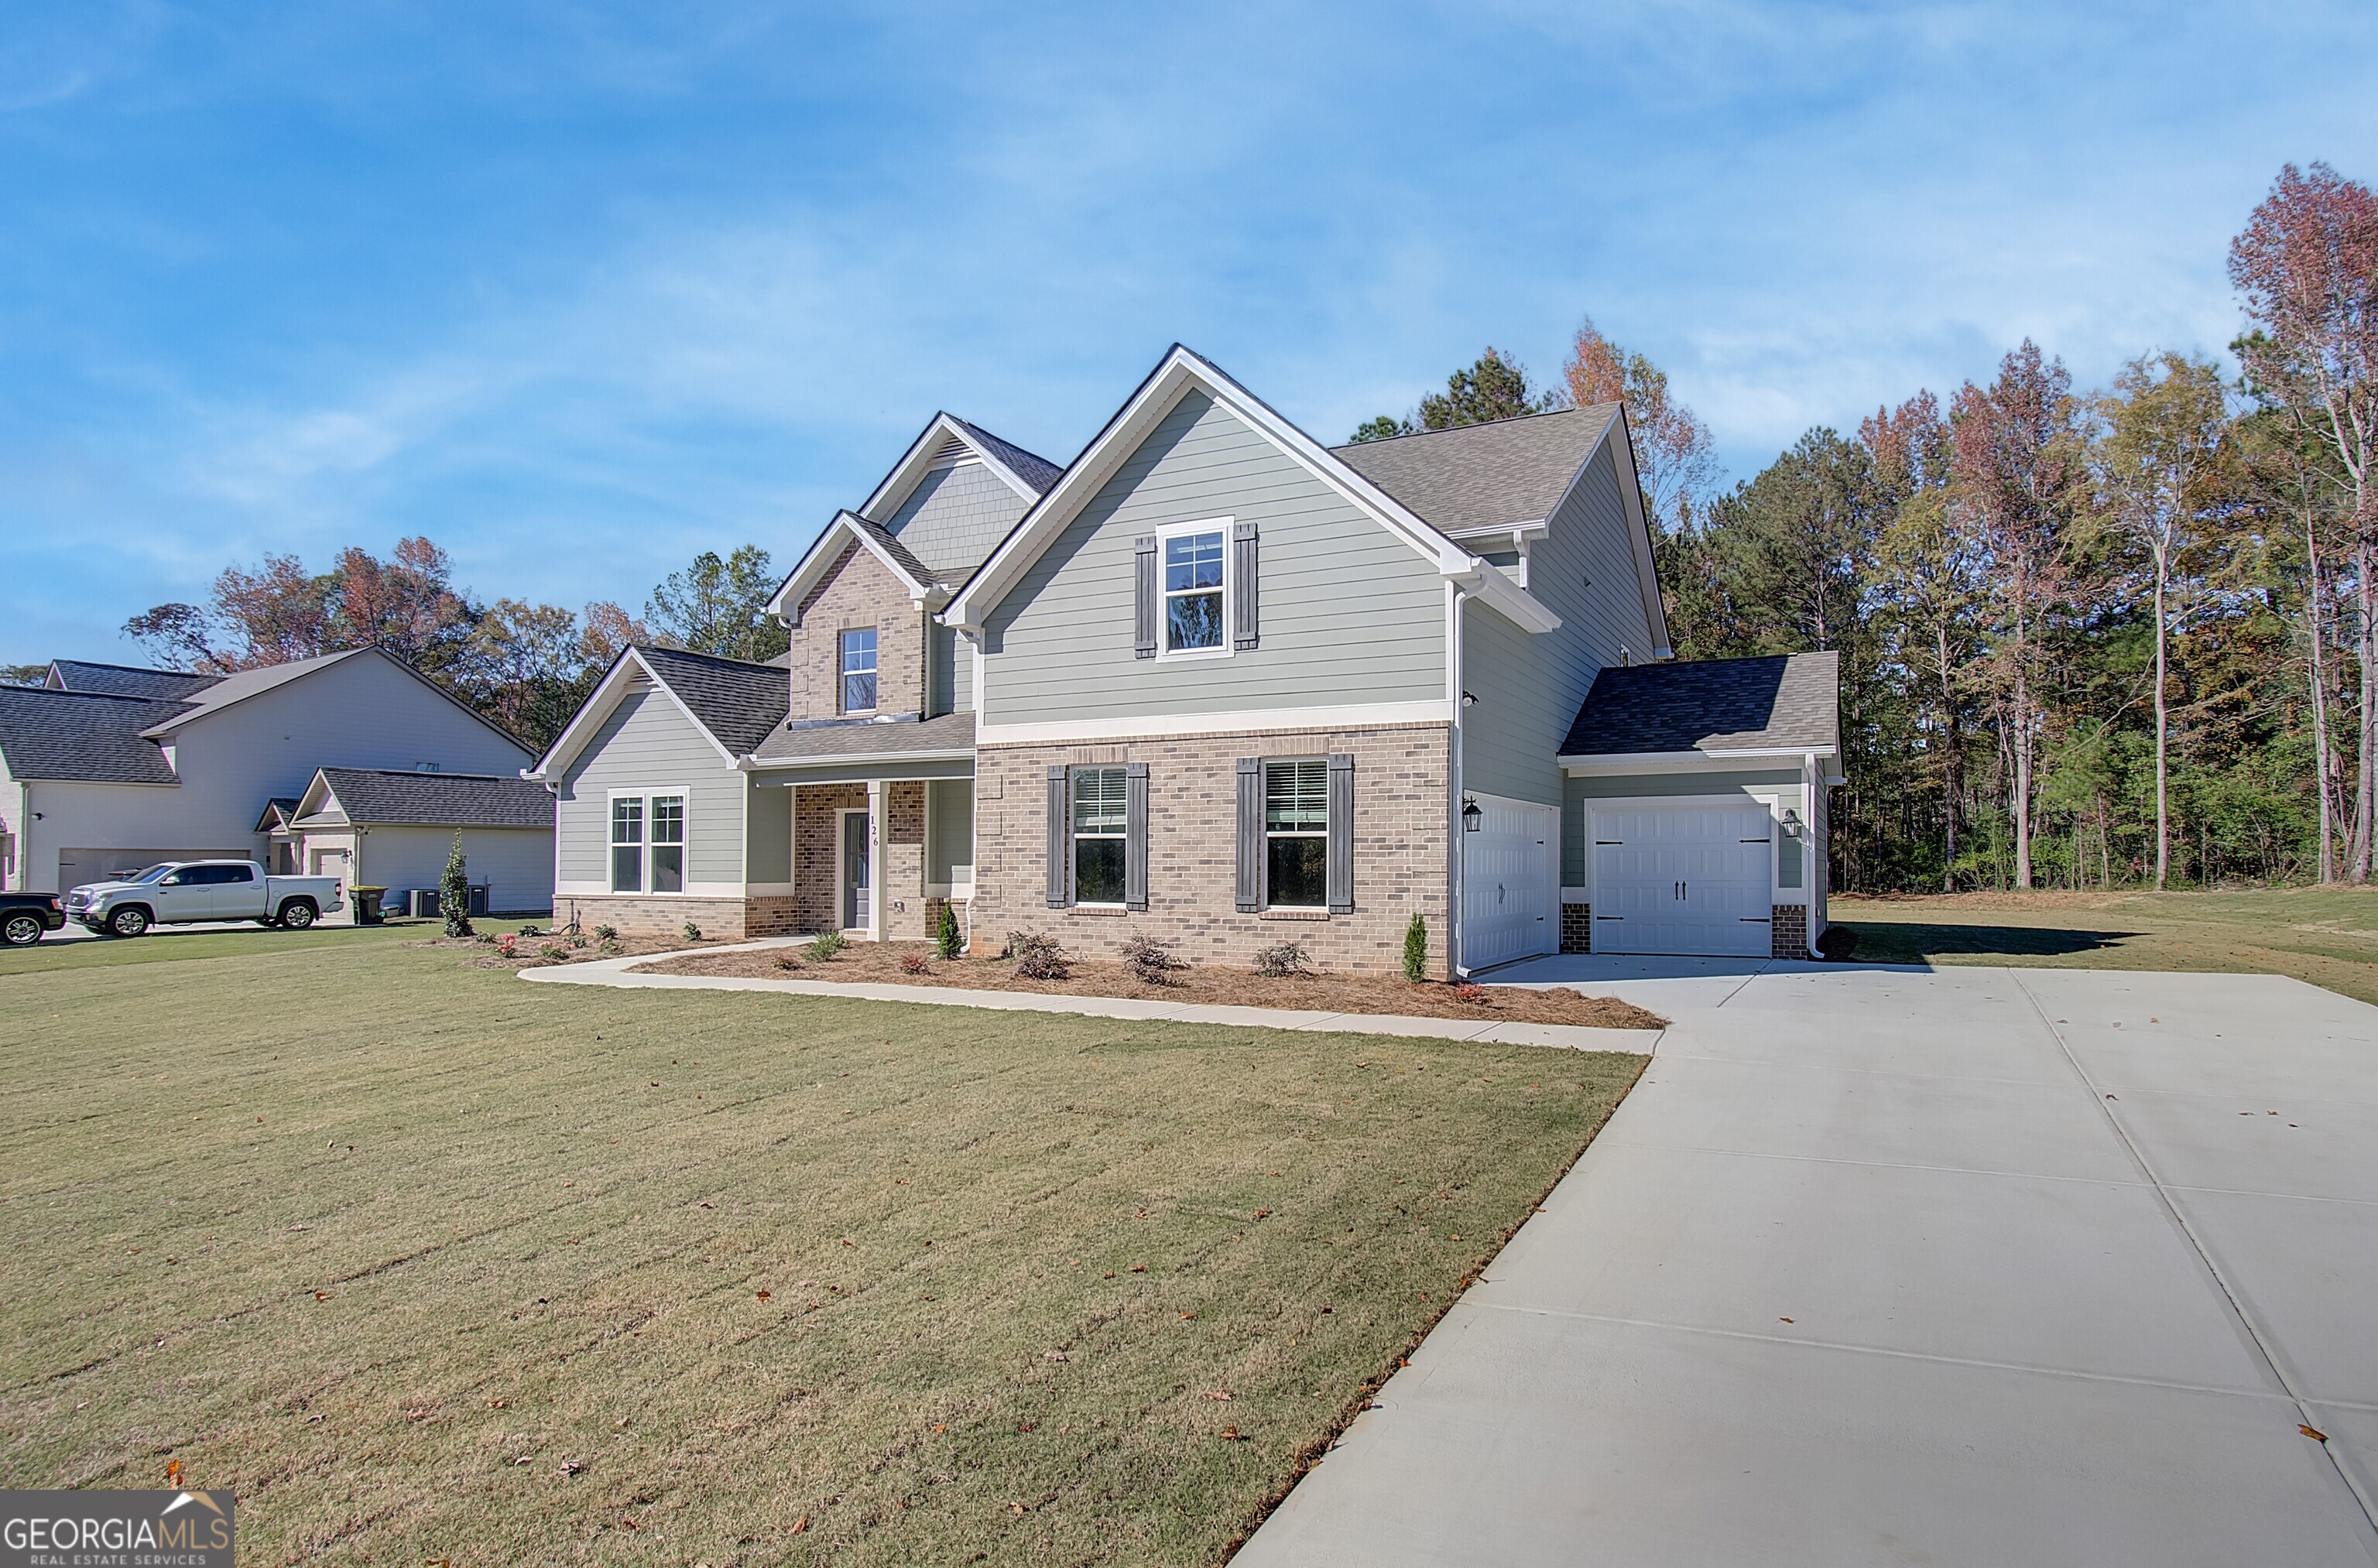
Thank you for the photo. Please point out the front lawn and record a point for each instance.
(2328, 936)
(432, 1265)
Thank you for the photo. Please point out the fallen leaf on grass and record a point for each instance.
(627, 1524)
(174, 1474)
(1218, 1393)
(763, 1296)
(1232, 1434)
(1263, 1213)
(321, 1296)
(1053, 1355)
(1016, 1508)
(799, 1524)
(1186, 1316)
(1139, 1268)
(572, 1466)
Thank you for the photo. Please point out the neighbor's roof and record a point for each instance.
(390, 796)
(814, 744)
(1785, 703)
(126, 680)
(1030, 467)
(241, 685)
(278, 813)
(1506, 471)
(83, 735)
(737, 702)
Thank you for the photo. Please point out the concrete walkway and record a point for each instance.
(1880, 1266)
(624, 972)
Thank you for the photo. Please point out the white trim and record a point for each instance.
(878, 858)
(770, 890)
(604, 700)
(1621, 764)
(1646, 567)
(1353, 715)
(647, 794)
(811, 569)
(1456, 861)
(1222, 648)
(920, 460)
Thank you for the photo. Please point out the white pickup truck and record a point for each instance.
(181, 890)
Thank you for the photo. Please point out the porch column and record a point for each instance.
(877, 861)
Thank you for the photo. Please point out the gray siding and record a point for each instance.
(1530, 688)
(768, 832)
(949, 672)
(954, 517)
(1576, 792)
(949, 831)
(1350, 614)
(648, 744)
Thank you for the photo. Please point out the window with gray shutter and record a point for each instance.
(1250, 834)
(1145, 601)
(1341, 834)
(1061, 838)
(1243, 585)
(1135, 855)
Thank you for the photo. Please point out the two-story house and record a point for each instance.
(1217, 684)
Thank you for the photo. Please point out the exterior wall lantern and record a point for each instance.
(1471, 815)
(1792, 825)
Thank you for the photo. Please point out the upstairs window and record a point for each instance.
(628, 844)
(1193, 592)
(1296, 835)
(859, 670)
(1099, 828)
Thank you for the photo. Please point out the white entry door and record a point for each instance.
(1683, 880)
(1510, 883)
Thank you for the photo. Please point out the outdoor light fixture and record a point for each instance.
(1471, 815)
(1791, 822)
(1470, 699)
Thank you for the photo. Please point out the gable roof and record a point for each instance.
(1179, 372)
(737, 703)
(947, 735)
(1497, 473)
(124, 680)
(1030, 467)
(849, 528)
(278, 812)
(84, 735)
(1027, 474)
(1782, 703)
(241, 685)
(390, 796)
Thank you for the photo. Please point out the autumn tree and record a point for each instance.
(1675, 460)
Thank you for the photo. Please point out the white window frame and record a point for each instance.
(1074, 835)
(842, 677)
(1268, 764)
(1172, 531)
(645, 798)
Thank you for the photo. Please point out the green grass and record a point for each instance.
(2328, 936)
(386, 1241)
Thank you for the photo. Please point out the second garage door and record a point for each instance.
(1683, 880)
(1510, 899)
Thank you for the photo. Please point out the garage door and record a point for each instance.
(78, 866)
(1692, 880)
(1510, 891)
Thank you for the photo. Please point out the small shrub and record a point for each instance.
(506, 943)
(692, 932)
(577, 939)
(610, 947)
(1416, 951)
(607, 933)
(946, 936)
(530, 931)
(454, 891)
(552, 952)
(914, 964)
(1150, 962)
(1468, 992)
(1284, 962)
(788, 962)
(826, 947)
(1038, 957)
(1837, 943)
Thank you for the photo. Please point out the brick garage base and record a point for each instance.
(1789, 931)
(1577, 927)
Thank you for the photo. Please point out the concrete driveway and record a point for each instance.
(1894, 1266)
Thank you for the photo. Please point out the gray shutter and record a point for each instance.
(1243, 579)
(1134, 835)
(1341, 834)
(1145, 599)
(1250, 834)
(1060, 840)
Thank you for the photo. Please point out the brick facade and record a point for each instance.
(1577, 927)
(643, 915)
(817, 825)
(1402, 777)
(859, 592)
(1789, 934)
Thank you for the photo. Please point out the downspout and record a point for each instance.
(1819, 848)
(555, 791)
(1456, 868)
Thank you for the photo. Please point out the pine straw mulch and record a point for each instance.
(1199, 984)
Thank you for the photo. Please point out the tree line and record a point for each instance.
(2097, 638)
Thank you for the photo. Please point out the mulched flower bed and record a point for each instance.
(1204, 983)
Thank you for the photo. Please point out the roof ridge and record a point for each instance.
(136, 669)
(706, 658)
(107, 695)
(1479, 424)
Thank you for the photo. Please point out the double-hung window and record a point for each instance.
(1098, 829)
(859, 670)
(648, 843)
(1296, 835)
(1193, 590)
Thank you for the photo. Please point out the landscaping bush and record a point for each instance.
(552, 952)
(454, 891)
(1150, 962)
(1038, 957)
(914, 964)
(946, 940)
(610, 947)
(1416, 951)
(1284, 962)
(607, 933)
(786, 961)
(826, 947)
(692, 932)
(506, 943)
(1468, 992)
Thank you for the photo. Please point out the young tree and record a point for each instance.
(2163, 433)
(1675, 460)
(715, 606)
(1494, 386)
(2306, 267)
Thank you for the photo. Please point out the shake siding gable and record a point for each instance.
(954, 517)
(647, 744)
(1350, 614)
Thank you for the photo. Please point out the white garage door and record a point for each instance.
(1688, 880)
(1511, 888)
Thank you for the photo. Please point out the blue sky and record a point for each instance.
(580, 290)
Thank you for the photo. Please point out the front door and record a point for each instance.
(855, 904)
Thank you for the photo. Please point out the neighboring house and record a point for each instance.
(1217, 684)
(394, 829)
(105, 767)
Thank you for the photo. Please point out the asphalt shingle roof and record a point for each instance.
(1030, 467)
(127, 680)
(919, 572)
(831, 743)
(1506, 471)
(387, 796)
(737, 703)
(1787, 701)
(241, 685)
(278, 812)
(82, 735)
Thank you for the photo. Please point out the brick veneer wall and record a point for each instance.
(861, 591)
(817, 894)
(1577, 927)
(636, 915)
(1789, 934)
(1400, 784)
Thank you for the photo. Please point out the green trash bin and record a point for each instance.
(366, 902)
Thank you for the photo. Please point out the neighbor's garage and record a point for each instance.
(1685, 879)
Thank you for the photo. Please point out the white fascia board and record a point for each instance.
(1647, 569)
(1252, 721)
(1496, 591)
(318, 789)
(918, 461)
(1179, 372)
(1494, 533)
(598, 708)
(796, 764)
(1621, 763)
(820, 558)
